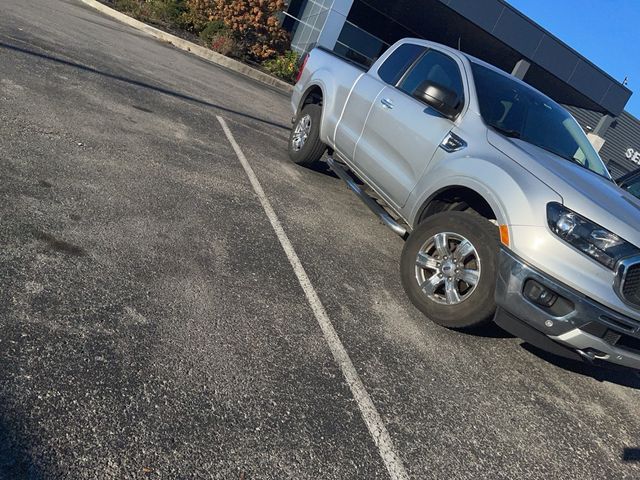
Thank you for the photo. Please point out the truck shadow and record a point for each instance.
(618, 375)
(323, 168)
(631, 454)
(16, 462)
(490, 330)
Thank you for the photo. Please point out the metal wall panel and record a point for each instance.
(508, 25)
(485, 13)
(516, 31)
(554, 57)
(616, 98)
(588, 119)
(589, 81)
(620, 137)
(623, 135)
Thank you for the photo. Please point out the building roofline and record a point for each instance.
(545, 51)
(563, 43)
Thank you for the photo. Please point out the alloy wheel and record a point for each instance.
(301, 133)
(448, 268)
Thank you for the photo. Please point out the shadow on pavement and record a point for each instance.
(631, 455)
(323, 168)
(611, 373)
(138, 83)
(491, 330)
(15, 461)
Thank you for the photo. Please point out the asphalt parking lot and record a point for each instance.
(153, 326)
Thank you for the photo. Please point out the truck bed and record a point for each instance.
(336, 76)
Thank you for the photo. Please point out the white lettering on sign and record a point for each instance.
(633, 155)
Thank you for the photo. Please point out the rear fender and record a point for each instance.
(335, 96)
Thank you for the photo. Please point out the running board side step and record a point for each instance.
(368, 201)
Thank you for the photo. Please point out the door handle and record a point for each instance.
(387, 103)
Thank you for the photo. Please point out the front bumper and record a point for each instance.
(574, 326)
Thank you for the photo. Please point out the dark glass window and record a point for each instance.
(437, 68)
(518, 111)
(630, 182)
(634, 188)
(381, 24)
(394, 67)
(359, 46)
(350, 54)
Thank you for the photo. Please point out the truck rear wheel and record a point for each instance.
(305, 147)
(449, 269)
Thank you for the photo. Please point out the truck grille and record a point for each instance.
(631, 284)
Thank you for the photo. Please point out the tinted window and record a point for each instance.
(634, 188)
(519, 111)
(354, 40)
(631, 183)
(394, 67)
(437, 68)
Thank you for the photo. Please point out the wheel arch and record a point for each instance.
(313, 94)
(316, 93)
(459, 197)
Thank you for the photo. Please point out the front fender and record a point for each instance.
(516, 196)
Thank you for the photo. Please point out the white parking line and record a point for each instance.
(368, 410)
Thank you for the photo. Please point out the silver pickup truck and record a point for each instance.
(509, 214)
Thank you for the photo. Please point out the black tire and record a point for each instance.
(477, 305)
(313, 149)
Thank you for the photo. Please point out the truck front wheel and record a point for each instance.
(449, 268)
(305, 147)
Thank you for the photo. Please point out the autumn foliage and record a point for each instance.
(252, 23)
(248, 30)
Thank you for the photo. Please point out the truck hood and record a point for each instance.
(584, 192)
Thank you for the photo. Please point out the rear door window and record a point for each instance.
(398, 62)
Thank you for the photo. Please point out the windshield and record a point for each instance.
(519, 111)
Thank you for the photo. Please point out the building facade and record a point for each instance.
(621, 149)
(491, 30)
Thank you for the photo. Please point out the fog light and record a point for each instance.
(539, 294)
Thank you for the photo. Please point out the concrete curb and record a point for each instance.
(192, 48)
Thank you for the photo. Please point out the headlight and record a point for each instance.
(590, 238)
